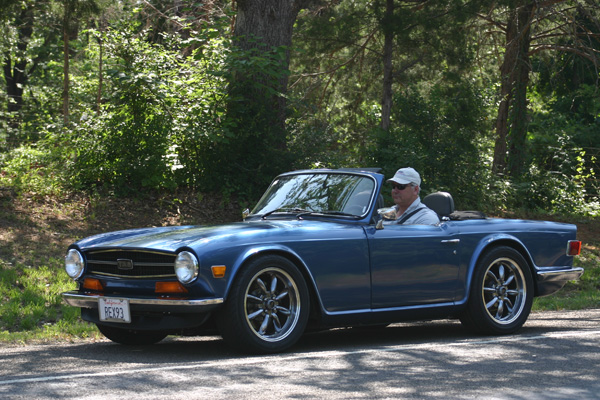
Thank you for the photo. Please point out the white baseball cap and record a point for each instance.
(406, 175)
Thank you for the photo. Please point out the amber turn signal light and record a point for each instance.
(218, 271)
(169, 287)
(574, 248)
(93, 284)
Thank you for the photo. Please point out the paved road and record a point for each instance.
(555, 356)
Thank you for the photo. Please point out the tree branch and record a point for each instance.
(591, 57)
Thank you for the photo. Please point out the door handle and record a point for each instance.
(451, 241)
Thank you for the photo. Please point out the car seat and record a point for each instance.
(440, 202)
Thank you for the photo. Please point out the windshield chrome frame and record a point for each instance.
(368, 209)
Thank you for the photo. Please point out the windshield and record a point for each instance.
(328, 193)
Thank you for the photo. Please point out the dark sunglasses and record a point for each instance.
(401, 187)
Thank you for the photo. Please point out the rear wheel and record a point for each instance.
(130, 336)
(501, 293)
(267, 307)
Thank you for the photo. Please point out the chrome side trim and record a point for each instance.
(77, 299)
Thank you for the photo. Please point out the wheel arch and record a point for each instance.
(501, 288)
(490, 243)
(316, 306)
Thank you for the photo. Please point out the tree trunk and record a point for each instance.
(264, 25)
(511, 124)
(14, 75)
(15, 69)
(100, 73)
(386, 100)
(65, 93)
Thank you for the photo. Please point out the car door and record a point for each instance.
(413, 265)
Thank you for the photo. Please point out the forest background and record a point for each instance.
(109, 106)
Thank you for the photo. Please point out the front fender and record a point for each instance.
(285, 251)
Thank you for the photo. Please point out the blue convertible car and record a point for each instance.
(314, 254)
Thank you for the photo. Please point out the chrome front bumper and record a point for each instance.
(172, 305)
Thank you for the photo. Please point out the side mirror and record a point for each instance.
(388, 213)
(245, 214)
(385, 214)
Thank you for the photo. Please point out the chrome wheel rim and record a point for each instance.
(504, 291)
(272, 304)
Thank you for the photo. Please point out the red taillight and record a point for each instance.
(574, 248)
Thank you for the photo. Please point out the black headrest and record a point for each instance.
(440, 202)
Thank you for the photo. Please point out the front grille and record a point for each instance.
(131, 264)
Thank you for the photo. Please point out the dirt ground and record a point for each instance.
(34, 227)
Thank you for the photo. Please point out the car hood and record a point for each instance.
(173, 238)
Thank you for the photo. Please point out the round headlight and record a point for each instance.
(74, 264)
(186, 267)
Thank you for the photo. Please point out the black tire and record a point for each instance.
(501, 293)
(130, 336)
(267, 307)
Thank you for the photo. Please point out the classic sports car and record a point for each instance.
(314, 254)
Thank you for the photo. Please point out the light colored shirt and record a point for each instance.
(425, 215)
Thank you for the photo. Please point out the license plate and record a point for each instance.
(114, 310)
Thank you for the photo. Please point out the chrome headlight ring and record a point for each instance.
(186, 267)
(74, 264)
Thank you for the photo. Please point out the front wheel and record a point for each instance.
(501, 293)
(267, 307)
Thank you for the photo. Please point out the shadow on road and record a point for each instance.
(194, 349)
(423, 360)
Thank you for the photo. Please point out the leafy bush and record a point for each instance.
(562, 176)
(242, 146)
(34, 168)
(125, 146)
(171, 119)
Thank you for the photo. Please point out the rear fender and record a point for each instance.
(487, 243)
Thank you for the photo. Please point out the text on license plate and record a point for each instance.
(114, 310)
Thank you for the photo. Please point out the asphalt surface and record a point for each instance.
(555, 356)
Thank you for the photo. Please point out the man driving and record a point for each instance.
(406, 185)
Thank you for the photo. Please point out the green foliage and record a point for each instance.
(126, 145)
(228, 142)
(201, 117)
(435, 131)
(176, 107)
(173, 120)
(563, 147)
(317, 144)
(34, 169)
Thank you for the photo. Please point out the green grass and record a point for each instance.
(32, 309)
